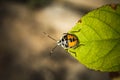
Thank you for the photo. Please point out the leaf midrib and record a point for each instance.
(110, 39)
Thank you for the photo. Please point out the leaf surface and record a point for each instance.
(99, 39)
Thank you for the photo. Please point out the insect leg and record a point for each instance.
(73, 53)
(76, 31)
(75, 48)
(66, 50)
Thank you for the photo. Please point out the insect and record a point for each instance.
(66, 41)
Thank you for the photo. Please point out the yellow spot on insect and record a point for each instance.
(72, 40)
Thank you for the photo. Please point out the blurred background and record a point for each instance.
(25, 50)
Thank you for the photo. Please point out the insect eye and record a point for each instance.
(62, 39)
(59, 41)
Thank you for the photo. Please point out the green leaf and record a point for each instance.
(99, 39)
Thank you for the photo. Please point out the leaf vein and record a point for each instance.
(103, 57)
(94, 30)
(111, 12)
(104, 23)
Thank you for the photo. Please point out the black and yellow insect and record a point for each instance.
(68, 41)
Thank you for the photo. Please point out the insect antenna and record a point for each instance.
(51, 52)
(49, 36)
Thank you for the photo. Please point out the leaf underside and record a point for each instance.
(99, 32)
